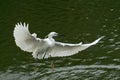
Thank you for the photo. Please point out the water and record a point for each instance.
(81, 20)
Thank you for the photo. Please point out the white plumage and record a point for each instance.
(48, 47)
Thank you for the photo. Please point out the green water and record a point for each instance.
(79, 20)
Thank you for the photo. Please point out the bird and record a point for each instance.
(47, 47)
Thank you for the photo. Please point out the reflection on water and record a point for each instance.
(81, 20)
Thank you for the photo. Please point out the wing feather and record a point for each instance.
(64, 49)
(24, 39)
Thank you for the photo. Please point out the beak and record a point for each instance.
(61, 35)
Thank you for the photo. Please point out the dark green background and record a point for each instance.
(79, 20)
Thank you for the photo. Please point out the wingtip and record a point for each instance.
(101, 37)
(96, 41)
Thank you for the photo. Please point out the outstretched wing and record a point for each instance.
(24, 39)
(63, 49)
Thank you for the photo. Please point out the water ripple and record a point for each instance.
(86, 72)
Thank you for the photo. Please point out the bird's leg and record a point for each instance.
(44, 54)
(52, 65)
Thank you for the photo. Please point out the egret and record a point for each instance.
(47, 47)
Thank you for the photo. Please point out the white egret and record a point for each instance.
(48, 47)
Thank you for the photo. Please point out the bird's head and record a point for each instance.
(52, 34)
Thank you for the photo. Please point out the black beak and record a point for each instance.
(61, 35)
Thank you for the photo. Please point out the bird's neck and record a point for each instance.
(51, 38)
